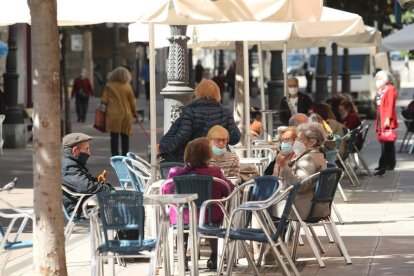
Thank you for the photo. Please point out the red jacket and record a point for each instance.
(387, 107)
(83, 83)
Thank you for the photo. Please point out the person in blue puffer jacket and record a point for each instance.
(195, 121)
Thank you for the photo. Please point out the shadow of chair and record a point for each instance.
(8, 242)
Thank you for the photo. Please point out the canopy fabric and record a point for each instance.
(399, 41)
(187, 12)
(75, 12)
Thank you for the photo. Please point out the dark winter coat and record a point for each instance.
(76, 178)
(195, 121)
(304, 103)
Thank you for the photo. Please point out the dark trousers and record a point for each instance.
(81, 108)
(115, 143)
(387, 159)
(147, 91)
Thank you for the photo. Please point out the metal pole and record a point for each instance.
(153, 102)
(285, 76)
(261, 81)
(246, 94)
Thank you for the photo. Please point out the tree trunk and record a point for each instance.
(49, 242)
(239, 92)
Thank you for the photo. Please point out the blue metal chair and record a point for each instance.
(139, 175)
(139, 159)
(267, 233)
(121, 211)
(9, 243)
(350, 139)
(121, 171)
(166, 166)
(326, 186)
(75, 218)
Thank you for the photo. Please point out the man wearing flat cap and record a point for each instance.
(75, 175)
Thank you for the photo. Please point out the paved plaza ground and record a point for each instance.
(379, 215)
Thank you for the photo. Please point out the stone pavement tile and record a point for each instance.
(391, 269)
(342, 270)
(390, 245)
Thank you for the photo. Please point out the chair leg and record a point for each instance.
(171, 248)
(230, 261)
(68, 231)
(328, 234)
(312, 244)
(153, 263)
(249, 258)
(403, 141)
(340, 242)
(338, 215)
(6, 258)
(364, 163)
(295, 240)
(346, 170)
(289, 259)
(341, 191)
(222, 256)
(316, 239)
(262, 251)
(352, 171)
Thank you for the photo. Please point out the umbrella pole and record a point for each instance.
(285, 74)
(261, 82)
(153, 102)
(246, 95)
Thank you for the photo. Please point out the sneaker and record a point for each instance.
(212, 262)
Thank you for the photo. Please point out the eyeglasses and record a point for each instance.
(220, 140)
(287, 140)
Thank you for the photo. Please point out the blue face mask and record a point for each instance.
(286, 148)
(217, 151)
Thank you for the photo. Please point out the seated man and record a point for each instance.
(75, 175)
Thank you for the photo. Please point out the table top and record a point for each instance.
(253, 160)
(173, 198)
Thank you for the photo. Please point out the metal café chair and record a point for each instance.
(75, 217)
(138, 173)
(139, 159)
(120, 211)
(327, 184)
(409, 123)
(267, 233)
(350, 139)
(9, 241)
(166, 166)
(121, 171)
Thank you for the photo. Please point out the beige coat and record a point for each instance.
(120, 106)
(305, 166)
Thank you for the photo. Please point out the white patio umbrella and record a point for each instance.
(399, 41)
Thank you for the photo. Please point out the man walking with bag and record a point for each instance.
(82, 89)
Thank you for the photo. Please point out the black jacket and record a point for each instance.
(195, 121)
(76, 178)
(304, 103)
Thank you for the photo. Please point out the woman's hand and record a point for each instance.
(281, 160)
(387, 123)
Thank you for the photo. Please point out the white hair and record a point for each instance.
(384, 75)
(313, 131)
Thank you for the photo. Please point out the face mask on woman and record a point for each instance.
(286, 148)
(299, 148)
(379, 83)
(293, 90)
(218, 151)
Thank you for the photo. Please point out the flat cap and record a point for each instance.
(74, 138)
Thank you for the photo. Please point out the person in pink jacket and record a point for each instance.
(197, 156)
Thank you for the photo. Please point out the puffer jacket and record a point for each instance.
(76, 178)
(195, 121)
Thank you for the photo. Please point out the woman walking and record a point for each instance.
(120, 107)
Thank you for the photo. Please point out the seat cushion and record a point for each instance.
(18, 245)
(128, 246)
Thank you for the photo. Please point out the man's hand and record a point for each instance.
(102, 176)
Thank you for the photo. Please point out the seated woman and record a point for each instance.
(287, 137)
(307, 160)
(197, 156)
(350, 119)
(256, 126)
(228, 162)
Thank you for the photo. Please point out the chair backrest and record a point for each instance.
(291, 196)
(166, 166)
(137, 173)
(326, 185)
(350, 140)
(364, 132)
(121, 170)
(121, 210)
(140, 159)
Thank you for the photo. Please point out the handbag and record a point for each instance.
(100, 118)
(387, 135)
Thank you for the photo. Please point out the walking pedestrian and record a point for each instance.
(386, 119)
(82, 90)
(120, 106)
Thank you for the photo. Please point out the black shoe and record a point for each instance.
(212, 262)
(377, 168)
(186, 264)
(390, 169)
(380, 172)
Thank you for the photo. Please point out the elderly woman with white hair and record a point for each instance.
(307, 160)
(386, 119)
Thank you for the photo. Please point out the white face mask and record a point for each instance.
(299, 148)
(293, 90)
(379, 83)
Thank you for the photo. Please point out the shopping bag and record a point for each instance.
(100, 119)
(387, 135)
